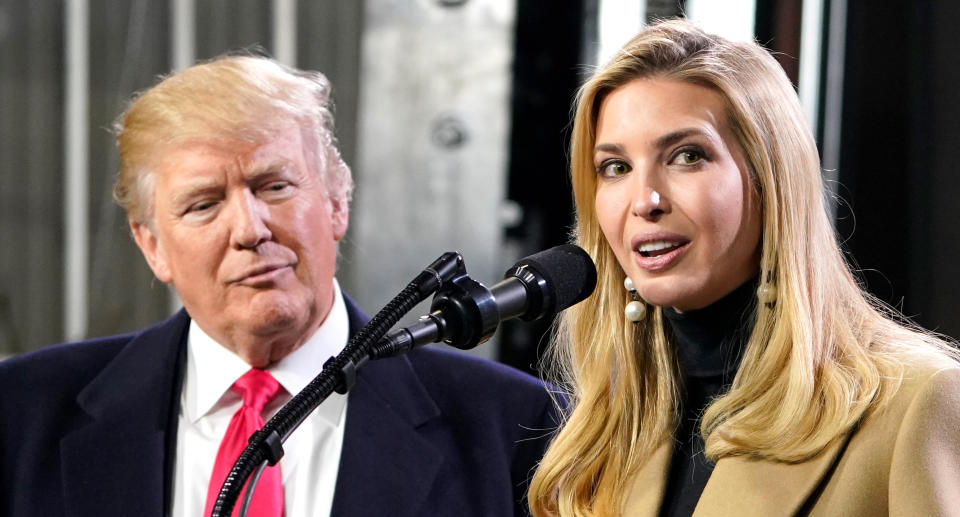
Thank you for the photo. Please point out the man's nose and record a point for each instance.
(249, 218)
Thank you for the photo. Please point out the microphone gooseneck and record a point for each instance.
(464, 313)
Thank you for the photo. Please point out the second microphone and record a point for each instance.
(465, 313)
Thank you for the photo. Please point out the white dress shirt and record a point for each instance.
(311, 454)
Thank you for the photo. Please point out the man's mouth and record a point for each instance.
(264, 273)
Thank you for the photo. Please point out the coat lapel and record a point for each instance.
(118, 464)
(647, 487)
(739, 485)
(387, 466)
(746, 486)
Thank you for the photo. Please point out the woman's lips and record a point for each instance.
(655, 254)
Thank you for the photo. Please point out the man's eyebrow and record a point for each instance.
(185, 193)
(267, 168)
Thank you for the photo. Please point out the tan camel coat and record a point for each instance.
(902, 460)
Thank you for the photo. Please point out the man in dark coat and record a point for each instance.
(237, 197)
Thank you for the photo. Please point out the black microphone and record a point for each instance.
(465, 313)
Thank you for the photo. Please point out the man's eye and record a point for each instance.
(613, 168)
(201, 207)
(277, 186)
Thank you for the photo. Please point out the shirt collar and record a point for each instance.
(221, 367)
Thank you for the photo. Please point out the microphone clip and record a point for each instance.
(465, 300)
(463, 314)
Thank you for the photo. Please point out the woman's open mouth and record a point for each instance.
(657, 248)
(659, 254)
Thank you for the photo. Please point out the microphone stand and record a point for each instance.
(339, 374)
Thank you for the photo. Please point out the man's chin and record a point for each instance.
(271, 312)
(271, 339)
(275, 324)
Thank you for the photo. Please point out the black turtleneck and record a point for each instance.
(709, 344)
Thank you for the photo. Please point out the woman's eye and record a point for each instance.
(688, 157)
(613, 169)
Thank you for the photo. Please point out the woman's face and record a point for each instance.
(674, 198)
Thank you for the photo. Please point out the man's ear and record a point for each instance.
(339, 217)
(152, 251)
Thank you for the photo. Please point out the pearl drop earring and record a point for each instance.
(767, 292)
(635, 310)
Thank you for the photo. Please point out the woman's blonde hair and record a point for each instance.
(817, 359)
(239, 98)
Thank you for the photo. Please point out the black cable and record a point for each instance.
(251, 486)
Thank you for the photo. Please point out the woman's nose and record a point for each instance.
(649, 203)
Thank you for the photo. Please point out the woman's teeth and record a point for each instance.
(656, 248)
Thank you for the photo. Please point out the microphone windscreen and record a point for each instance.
(568, 271)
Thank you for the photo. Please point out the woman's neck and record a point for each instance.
(710, 341)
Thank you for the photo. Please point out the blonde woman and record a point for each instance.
(749, 374)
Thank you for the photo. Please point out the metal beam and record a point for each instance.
(76, 169)
(285, 31)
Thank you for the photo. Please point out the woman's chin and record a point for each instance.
(660, 293)
(671, 297)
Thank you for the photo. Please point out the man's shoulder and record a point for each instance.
(73, 364)
(467, 369)
(457, 377)
(444, 365)
(63, 361)
(41, 388)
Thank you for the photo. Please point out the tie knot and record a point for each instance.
(256, 388)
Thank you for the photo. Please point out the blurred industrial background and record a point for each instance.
(454, 116)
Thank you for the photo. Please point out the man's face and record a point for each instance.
(247, 236)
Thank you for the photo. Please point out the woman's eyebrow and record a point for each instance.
(610, 148)
(673, 137)
(662, 142)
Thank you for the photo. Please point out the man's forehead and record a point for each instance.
(201, 166)
(222, 152)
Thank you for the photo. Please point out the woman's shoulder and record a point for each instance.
(903, 457)
(928, 389)
(909, 444)
(928, 374)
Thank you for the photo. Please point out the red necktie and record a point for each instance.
(257, 388)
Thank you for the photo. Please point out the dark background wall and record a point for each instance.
(546, 73)
(898, 176)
